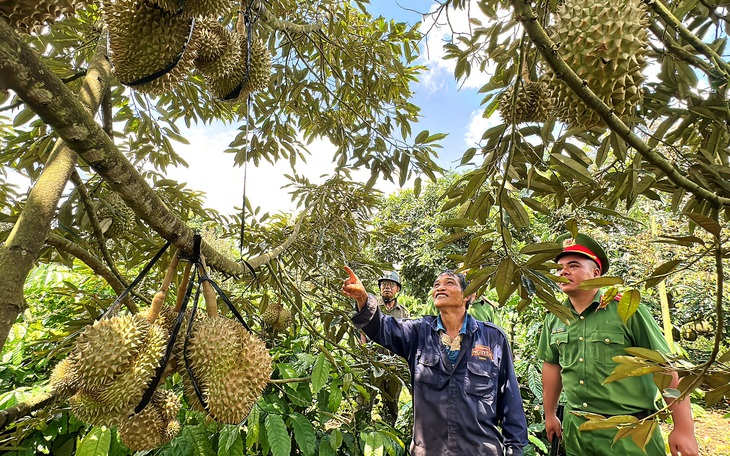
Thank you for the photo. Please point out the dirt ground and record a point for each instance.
(712, 430)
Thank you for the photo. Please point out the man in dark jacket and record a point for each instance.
(464, 385)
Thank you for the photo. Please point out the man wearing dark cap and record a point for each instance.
(577, 358)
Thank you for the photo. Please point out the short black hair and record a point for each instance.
(459, 276)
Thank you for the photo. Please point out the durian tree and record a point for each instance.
(583, 135)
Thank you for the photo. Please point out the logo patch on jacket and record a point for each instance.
(482, 351)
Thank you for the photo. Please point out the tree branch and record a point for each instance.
(658, 7)
(94, 263)
(11, 414)
(548, 49)
(22, 71)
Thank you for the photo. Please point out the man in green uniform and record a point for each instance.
(388, 383)
(577, 358)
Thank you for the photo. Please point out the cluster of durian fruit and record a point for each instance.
(277, 316)
(115, 360)
(156, 44)
(114, 216)
(606, 44)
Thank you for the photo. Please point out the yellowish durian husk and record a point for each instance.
(29, 15)
(88, 409)
(148, 44)
(605, 43)
(199, 8)
(231, 367)
(225, 66)
(154, 426)
(231, 82)
(63, 377)
(107, 348)
(212, 40)
(127, 389)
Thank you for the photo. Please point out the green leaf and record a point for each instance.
(599, 282)
(643, 433)
(503, 277)
(229, 437)
(372, 444)
(422, 136)
(705, 222)
(458, 223)
(336, 438)
(661, 272)
(608, 423)
(320, 373)
(196, 438)
(537, 442)
(304, 433)
(716, 395)
(96, 442)
(325, 447)
(277, 435)
(645, 353)
(629, 304)
(662, 381)
(23, 117)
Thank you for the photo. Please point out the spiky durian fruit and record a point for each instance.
(271, 314)
(115, 217)
(63, 377)
(605, 43)
(199, 8)
(532, 104)
(212, 40)
(154, 426)
(167, 319)
(88, 409)
(107, 348)
(27, 15)
(227, 77)
(149, 46)
(284, 320)
(128, 388)
(231, 368)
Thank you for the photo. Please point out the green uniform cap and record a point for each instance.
(583, 245)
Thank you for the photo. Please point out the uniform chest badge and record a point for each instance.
(482, 352)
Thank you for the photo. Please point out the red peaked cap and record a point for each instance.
(586, 246)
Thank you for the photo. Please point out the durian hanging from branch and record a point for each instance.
(30, 15)
(151, 47)
(605, 43)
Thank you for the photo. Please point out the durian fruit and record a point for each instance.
(226, 77)
(155, 425)
(115, 217)
(63, 377)
(88, 409)
(605, 42)
(284, 320)
(212, 40)
(198, 8)
(28, 15)
(107, 348)
(271, 314)
(533, 103)
(149, 46)
(231, 367)
(128, 388)
(277, 316)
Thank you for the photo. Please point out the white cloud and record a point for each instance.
(439, 30)
(212, 171)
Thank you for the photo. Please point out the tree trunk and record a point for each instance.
(22, 248)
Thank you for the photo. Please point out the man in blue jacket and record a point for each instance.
(464, 384)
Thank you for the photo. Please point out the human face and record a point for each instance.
(576, 268)
(447, 293)
(388, 289)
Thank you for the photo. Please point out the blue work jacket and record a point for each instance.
(457, 409)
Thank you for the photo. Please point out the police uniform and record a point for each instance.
(460, 406)
(584, 350)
